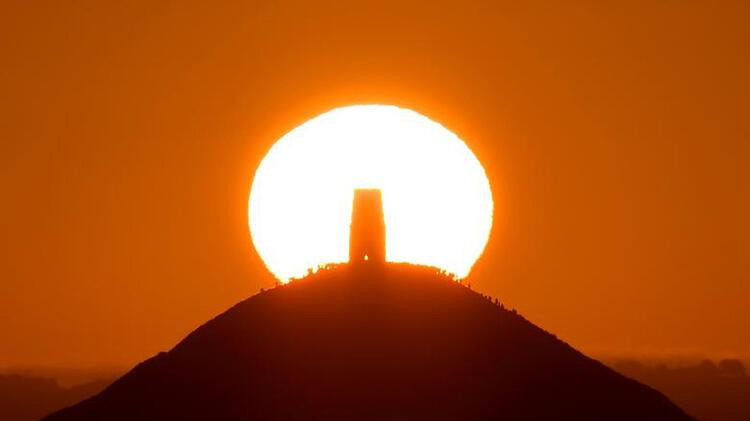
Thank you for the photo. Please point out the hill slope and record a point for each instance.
(398, 342)
(26, 398)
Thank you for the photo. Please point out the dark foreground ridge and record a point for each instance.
(386, 342)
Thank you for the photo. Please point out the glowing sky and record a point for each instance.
(436, 198)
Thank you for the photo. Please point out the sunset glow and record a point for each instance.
(436, 197)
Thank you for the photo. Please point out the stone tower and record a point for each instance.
(367, 232)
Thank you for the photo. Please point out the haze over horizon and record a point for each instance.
(615, 140)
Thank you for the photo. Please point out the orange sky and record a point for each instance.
(616, 139)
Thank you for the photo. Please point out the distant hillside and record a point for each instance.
(373, 342)
(710, 391)
(25, 398)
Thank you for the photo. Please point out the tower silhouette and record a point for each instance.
(367, 232)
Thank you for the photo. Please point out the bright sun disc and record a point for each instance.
(437, 201)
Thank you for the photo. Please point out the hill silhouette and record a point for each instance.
(27, 398)
(372, 341)
(710, 391)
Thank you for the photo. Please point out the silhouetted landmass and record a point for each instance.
(373, 342)
(709, 391)
(25, 398)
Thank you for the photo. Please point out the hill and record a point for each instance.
(27, 398)
(372, 342)
(710, 391)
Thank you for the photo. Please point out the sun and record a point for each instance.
(437, 201)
